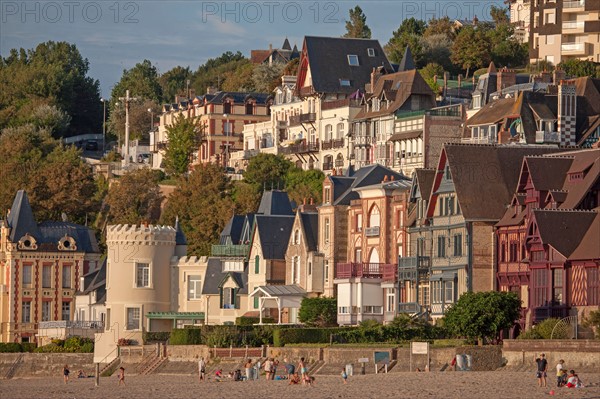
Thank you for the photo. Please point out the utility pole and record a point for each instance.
(126, 100)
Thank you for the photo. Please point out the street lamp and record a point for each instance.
(103, 126)
(151, 119)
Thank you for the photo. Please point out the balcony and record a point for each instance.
(301, 148)
(571, 6)
(230, 250)
(372, 231)
(345, 102)
(408, 267)
(327, 165)
(546, 137)
(409, 307)
(339, 163)
(574, 48)
(94, 325)
(573, 25)
(332, 144)
(296, 120)
(363, 140)
(364, 270)
(479, 140)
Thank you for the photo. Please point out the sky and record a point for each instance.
(115, 35)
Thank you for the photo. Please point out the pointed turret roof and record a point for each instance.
(492, 68)
(275, 202)
(286, 45)
(21, 220)
(179, 236)
(407, 63)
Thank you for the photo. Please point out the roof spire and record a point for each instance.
(407, 63)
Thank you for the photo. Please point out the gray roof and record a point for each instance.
(232, 232)
(282, 290)
(214, 278)
(274, 233)
(275, 202)
(407, 63)
(21, 221)
(310, 224)
(366, 176)
(96, 281)
(328, 59)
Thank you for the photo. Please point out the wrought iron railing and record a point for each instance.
(230, 250)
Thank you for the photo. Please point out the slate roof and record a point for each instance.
(96, 281)
(232, 232)
(328, 61)
(21, 221)
(501, 164)
(340, 185)
(407, 62)
(365, 176)
(564, 230)
(274, 233)
(275, 202)
(282, 290)
(310, 225)
(398, 87)
(425, 181)
(214, 277)
(589, 247)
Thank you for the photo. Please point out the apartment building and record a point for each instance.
(562, 30)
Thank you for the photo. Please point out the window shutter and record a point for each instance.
(236, 298)
(221, 298)
(255, 302)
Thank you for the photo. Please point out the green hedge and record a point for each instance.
(284, 336)
(186, 336)
(251, 321)
(10, 347)
(156, 336)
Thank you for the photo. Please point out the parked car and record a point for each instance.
(91, 146)
(230, 170)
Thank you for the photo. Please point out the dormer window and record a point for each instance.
(344, 82)
(371, 52)
(353, 60)
(67, 244)
(227, 107)
(27, 242)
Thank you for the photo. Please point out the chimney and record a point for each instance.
(270, 47)
(304, 201)
(567, 112)
(558, 75)
(375, 74)
(506, 78)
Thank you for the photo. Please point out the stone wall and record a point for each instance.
(577, 354)
(45, 364)
(186, 353)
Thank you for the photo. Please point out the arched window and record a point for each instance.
(374, 217)
(328, 132)
(227, 106)
(296, 270)
(297, 236)
(249, 108)
(340, 131)
(326, 231)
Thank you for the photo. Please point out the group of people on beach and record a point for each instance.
(81, 374)
(566, 379)
(295, 375)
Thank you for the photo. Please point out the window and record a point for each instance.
(540, 280)
(296, 270)
(297, 236)
(326, 271)
(503, 252)
(47, 277)
(327, 195)
(249, 109)
(344, 82)
(256, 264)
(326, 230)
(340, 131)
(142, 275)
(448, 291)
(26, 312)
(309, 268)
(344, 310)
(194, 287)
(27, 275)
(235, 265)
(557, 287)
(357, 254)
(514, 251)
(133, 318)
(328, 132)
(391, 300)
(46, 310)
(371, 52)
(66, 311)
(228, 297)
(372, 309)
(424, 296)
(441, 247)
(458, 245)
(374, 217)
(353, 60)
(593, 286)
(359, 222)
(66, 276)
(256, 302)
(227, 107)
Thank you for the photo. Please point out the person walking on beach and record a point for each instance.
(66, 373)
(122, 376)
(344, 376)
(248, 367)
(303, 370)
(542, 368)
(268, 366)
(290, 369)
(201, 370)
(559, 373)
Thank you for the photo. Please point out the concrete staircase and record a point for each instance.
(109, 368)
(13, 368)
(151, 366)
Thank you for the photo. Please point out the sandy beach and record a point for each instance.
(393, 385)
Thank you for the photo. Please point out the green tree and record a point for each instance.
(267, 77)
(577, 68)
(304, 184)
(135, 198)
(51, 118)
(141, 81)
(357, 25)
(215, 72)
(318, 312)
(267, 170)
(593, 322)
(183, 137)
(174, 82)
(482, 315)
(440, 26)
(437, 49)
(54, 176)
(429, 71)
(246, 197)
(52, 74)
(140, 120)
(203, 204)
(471, 49)
(500, 15)
(408, 34)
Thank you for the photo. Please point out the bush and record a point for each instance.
(70, 345)
(28, 346)
(250, 321)
(284, 336)
(542, 330)
(156, 336)
(10, 347)
(318, 312)
(220, 336)
(593, 321)
(185, 336)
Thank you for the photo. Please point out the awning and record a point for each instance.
(278, 296)
(406, 135)
(176, 316)
(445, 276)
